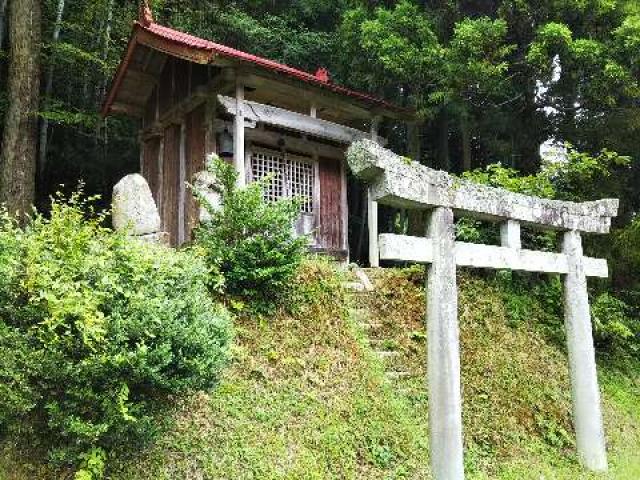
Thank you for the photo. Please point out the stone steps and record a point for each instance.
(386, 349)
(397, 374)
(387, 354)
(368, 326)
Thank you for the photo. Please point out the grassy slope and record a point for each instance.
(305, 398)
(515, 382)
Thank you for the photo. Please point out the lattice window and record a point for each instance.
(292, 177)
(300, 180)
(265, 163)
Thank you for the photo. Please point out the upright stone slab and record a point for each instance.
(133, 206)
(204, 182)
(587, 414)
(445, 401)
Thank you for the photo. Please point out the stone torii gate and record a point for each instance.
(398, 182)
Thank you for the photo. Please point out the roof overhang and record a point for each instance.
(134, 78)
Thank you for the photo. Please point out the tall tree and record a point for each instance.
(20, 136)
(44, 129)
(3, 25)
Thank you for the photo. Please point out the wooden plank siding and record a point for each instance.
(195, 162)
(182, 144)
(150, 166)
(171, 182)
(174, 85)
(181, 81)
(330, 230)
(165, 87)
(150, 110)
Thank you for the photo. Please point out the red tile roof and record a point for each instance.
(213, 49)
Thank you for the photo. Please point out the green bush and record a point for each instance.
(96, 331)
(249, 241)
(614, 327)
(582, 177)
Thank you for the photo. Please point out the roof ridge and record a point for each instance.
(183, 39)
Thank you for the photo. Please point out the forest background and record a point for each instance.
(491, 81)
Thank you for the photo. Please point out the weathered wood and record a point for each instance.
(298, 122)
(171, 183)
(339, 107)
(292, 143)
(149, 39)
(330, 227)
(238, 133)
(150, 152)
(128, 109)
(420, 250)
(196, 152)
(182, 188)
(399, 182)
(141, 77)
(344, 206)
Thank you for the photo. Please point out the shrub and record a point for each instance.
(626, 255)
(614, 327)
(316, 287)
(96, 330)
(250, 241)
(581, 177)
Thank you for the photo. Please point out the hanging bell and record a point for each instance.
(225, 142)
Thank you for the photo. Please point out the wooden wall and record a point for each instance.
(171, 157)
(171, 182)
(195, 161)
(330, 229)
(151, 166)
(174, 153)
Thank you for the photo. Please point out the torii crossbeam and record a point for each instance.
(396, 181)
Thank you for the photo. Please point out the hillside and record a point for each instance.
(336, 390)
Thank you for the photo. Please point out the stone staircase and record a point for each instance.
(385, 348)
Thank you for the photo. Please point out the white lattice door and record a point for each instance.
(293, 176)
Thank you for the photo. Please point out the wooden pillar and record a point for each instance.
(445, 400)
(160, 187)
(238, 134)
(587, 414)
(372, 210)
(182, 178)
(210, 140)
(344, 207)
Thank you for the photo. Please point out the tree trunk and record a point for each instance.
(20, 136)
(3, 17)
(465, 137)
(105, 48)
(443, 141)
(3, 30)
(44, 129)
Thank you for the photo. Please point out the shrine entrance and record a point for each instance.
(395, 182)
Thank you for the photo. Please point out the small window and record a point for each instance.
(293, 176)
